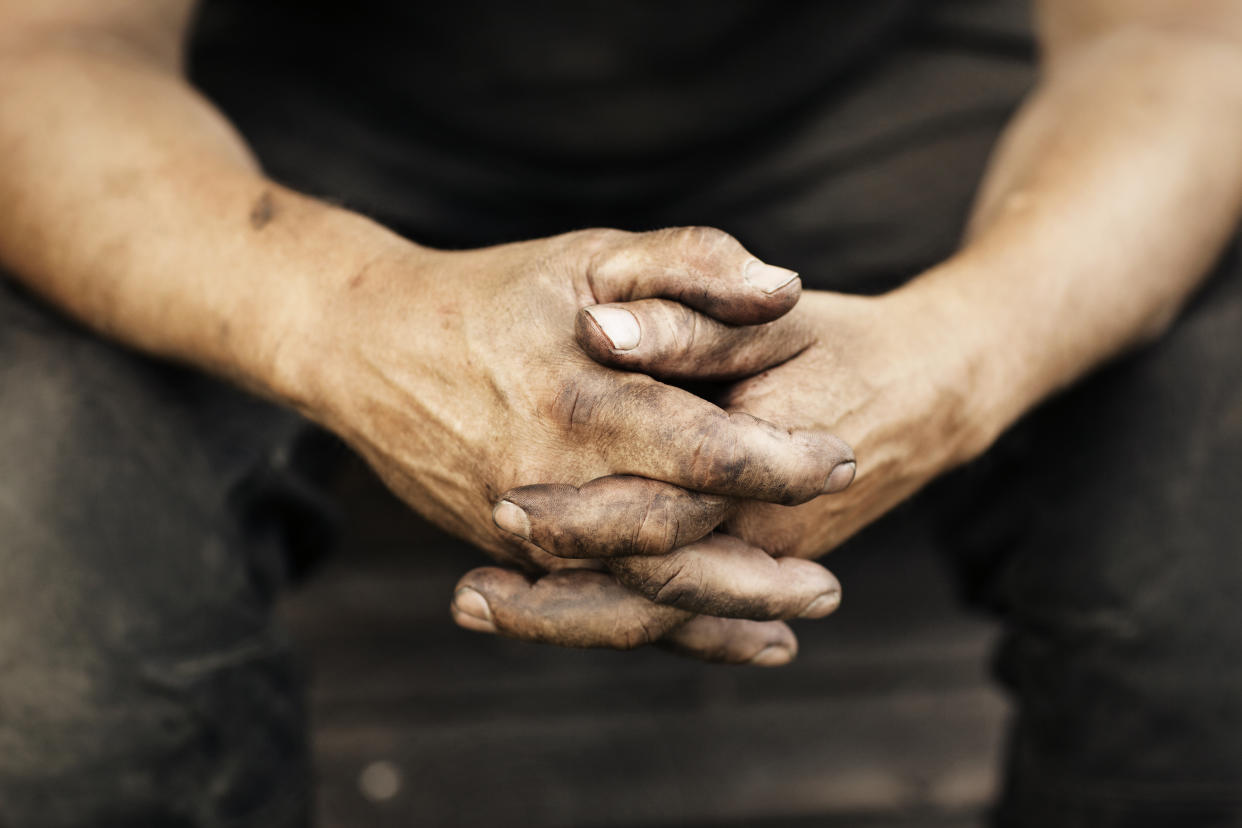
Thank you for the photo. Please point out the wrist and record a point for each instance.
(963, 358)
(305, 333)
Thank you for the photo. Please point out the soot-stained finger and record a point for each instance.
(610, 516)
(647, 429)
(733, 641)
(672, 341)
(569, 608)
(726, 577)
(702, 267)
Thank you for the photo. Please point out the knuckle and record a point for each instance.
(576, 404)
(704, 237)
(596, 238)
(705, 248)
(609, 252)
(689, 334)
(655, 532)
(675, 583)
(782, 466)
(679, 332)
(633, 631)
(682, 583)
(719, 458)
(701, 247)
(641, 575)
(713, 252)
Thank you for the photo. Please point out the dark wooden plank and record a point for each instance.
(887, 718)
(882, 755)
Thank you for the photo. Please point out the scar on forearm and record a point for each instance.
(263, 211)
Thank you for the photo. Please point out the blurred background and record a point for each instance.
(886, 719)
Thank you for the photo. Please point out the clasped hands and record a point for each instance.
(534, 399)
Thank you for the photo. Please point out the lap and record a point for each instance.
(141, 681)
(1110, 548)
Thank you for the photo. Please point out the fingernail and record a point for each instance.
(618, 325)
(472, 610)
(510, 517)
(822, 605)
(766, 277)
(842, 475)
(772, 656)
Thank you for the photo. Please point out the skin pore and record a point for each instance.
(134, 206)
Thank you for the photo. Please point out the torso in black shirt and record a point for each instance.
(556, 103)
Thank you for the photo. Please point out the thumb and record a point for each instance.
(670, 341)
(702, 267)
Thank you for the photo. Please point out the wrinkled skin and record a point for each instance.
(872, 370)
(411, 338)
(901, 400)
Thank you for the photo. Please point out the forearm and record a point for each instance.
(129, 202)
(1110, 197)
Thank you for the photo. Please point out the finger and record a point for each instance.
(702, 267)
(610, 516)
(511, 596)
(670, 340)
(569, 608)
(729, 578)
(647, 429)
(734, 641)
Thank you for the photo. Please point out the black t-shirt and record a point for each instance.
(548, 99)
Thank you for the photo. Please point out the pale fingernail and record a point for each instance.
(822, 605)
(841, 476)
(472, 612)
(772, 656)
(619, 325)
(510, 517)
(768, 278)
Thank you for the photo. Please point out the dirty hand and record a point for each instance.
(457, 376)
(878, 371)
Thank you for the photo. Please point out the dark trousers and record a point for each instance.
(146, 511)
